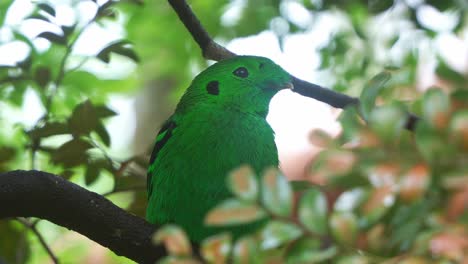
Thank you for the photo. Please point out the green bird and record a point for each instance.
(218, 125)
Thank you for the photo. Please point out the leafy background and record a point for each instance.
(392, 194)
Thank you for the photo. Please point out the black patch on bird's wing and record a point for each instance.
(213, 87)
(166, 129)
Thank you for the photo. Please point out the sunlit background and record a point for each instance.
(293, 117)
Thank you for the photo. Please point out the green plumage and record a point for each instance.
(219, 124)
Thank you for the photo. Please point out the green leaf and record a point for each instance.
(371, 91)
(278, 233)
(344, 227)
(71, 153)
(276, 193)
(245, 250)
(53, 37)
(312, 211)
(308, 251)
(216, 249)
(429, 143)
(47, 8)
(83, 119)
(300, 185)
(234, 212)
(298, 251)
(447, 73)
(436, 106)
(388, 121)
(350, 200)
(49, 129)
(243, 183)
(174, 239)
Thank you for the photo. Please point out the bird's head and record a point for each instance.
(242, 83)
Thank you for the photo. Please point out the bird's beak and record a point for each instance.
(287, 85)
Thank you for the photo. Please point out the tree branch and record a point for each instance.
(213, 51)
(47, 196)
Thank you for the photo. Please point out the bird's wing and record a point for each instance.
(163, 137)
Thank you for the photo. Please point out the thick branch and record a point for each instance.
(47, 196)
(213, 51)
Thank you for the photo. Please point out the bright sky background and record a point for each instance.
(291, 115)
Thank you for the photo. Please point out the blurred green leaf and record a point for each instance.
(276, 193)
(344, 227)
(300, 249)
(216, 249)
(7, 154)
(278, 233)
(299, 185)
(447, 73)
(243, 183)
(175, 240)
(388, 121)
(233, 212)
(312, 211)
(371, 91)
(245, 250)
(436, 105)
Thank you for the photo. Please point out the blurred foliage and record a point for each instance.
(379, 193)
(376, 194)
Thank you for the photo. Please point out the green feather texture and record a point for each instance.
(219, 125)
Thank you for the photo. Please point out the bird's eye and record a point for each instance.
(241, 72)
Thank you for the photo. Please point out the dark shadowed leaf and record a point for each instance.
(121, 47)
(92, 173)
(47, 8)
(243, 183)
(71, 153)
(276, 193)
(447, 73)
(83, 119)
(278, 233)
(53, 37)
(103, 111)
(103, 134)
(7, 154)
(313, 211)
(49, 129)
(42, 76)
(436, 107)
(371, 91)
(233, 212)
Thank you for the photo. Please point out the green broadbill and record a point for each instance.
(219, 124)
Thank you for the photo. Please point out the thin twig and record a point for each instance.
(213, 51)
(32, 227)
